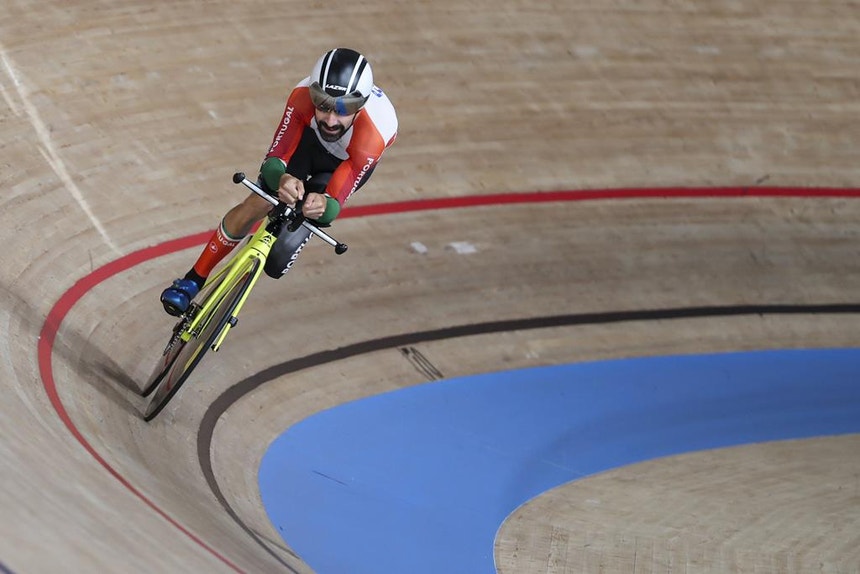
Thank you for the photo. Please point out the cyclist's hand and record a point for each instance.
(314, 205)
(291, 189)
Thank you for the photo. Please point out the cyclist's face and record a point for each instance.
(332, 126)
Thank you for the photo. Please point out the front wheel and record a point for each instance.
(187, 355)
(171, 351)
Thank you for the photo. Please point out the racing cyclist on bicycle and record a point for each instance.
(335, 127)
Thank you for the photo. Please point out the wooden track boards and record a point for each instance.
(121, 124)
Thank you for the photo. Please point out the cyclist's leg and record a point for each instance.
(233, 228)
(239, 220)
(317, 183)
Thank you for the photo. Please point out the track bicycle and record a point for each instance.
(208, 319)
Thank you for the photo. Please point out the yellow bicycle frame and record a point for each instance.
(250, 258)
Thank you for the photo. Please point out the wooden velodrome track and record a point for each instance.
(121, 123)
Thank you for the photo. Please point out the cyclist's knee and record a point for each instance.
(240, 218)
(318, 182)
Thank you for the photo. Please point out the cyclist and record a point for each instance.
(335, 127)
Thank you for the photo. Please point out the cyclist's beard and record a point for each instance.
(331, 136)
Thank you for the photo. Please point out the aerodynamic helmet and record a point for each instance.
(341, 81)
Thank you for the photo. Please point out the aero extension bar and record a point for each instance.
(339, 248)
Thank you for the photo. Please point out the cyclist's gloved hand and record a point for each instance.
(290, 189)
(314, 205)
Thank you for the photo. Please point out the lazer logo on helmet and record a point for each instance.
(335, 87)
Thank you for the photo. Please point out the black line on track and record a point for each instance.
(245, 386)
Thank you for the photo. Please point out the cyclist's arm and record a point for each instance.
(296, 117)
(271, 172)
(365, 149)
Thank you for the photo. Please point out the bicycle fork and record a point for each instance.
(255, 271)
(256, 253)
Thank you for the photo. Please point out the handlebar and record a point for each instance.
(339, 248)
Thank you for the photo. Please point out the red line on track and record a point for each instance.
(68, 300)
(548, 196)
(45, 351)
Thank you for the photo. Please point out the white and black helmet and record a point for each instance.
(341, 81)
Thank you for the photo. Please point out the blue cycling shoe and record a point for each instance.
(178, 296)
